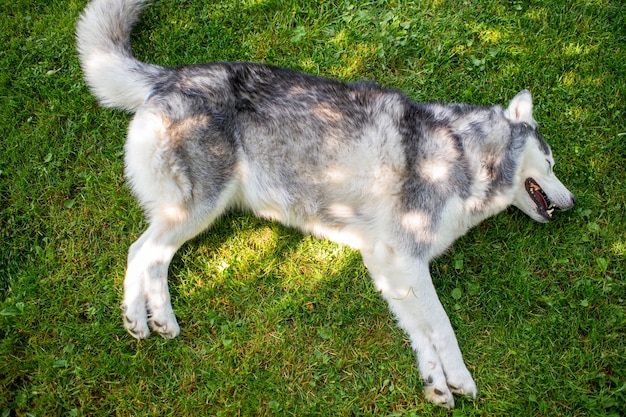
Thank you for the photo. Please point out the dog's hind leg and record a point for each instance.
(146, 294)
(182, 197)
(406, 285)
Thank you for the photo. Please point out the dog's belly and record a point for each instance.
(343, 221)
(348, 230)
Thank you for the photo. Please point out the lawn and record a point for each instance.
(277, 323)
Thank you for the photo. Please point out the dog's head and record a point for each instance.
(540, 192)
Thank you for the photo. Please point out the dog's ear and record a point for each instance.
(521, 108)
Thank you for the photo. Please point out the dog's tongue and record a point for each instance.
(539, 198)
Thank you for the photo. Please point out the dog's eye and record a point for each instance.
(550, 166)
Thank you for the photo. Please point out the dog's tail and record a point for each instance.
(114, 75)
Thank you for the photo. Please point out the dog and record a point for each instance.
(356, 163)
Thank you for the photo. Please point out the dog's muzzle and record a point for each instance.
(545, 207)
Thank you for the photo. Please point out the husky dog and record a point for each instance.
(356, 163)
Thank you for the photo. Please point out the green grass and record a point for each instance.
(274, 322)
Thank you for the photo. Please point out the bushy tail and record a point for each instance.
(114, 75)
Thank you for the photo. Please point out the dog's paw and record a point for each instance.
(459, 380)
(464, 385)
(439, 394)
(135, 322)
(439, 387)
(165, 324)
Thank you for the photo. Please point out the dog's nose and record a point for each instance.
(571, 204)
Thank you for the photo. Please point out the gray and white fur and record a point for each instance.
(356, 163)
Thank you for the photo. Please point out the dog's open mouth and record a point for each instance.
(545, 207)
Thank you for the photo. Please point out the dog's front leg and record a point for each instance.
(406, 285)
